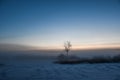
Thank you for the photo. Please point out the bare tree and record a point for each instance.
(67, 46)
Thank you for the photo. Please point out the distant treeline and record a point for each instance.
(99, 59)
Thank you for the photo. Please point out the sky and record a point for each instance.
(47, 24)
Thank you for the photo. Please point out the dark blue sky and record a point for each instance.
(48, 23)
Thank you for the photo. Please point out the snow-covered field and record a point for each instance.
(46, 70)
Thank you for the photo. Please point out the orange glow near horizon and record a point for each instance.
(15, 47)
(82, 47)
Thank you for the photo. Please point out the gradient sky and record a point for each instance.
(47, 24)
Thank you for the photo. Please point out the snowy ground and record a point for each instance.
(46, 70)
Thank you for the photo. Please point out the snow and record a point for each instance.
(47, 70)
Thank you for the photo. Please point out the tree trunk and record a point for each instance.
(67, 55)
